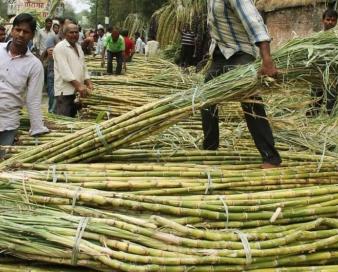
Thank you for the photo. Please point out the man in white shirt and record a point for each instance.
(21, 75)
(152, 48)
(99, 44)
(139, 44)
(71, 75)
(42, 36)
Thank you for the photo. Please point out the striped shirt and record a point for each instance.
(188, 38)
(235, 25)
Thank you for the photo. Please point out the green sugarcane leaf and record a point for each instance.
(100, 117)
(310, 52)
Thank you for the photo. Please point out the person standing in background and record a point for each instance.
(152, 48)
(99, 43)
(139, 44)
(114, 44)
(129, 46)
(188, 46)
(50, 44)
(42, 36)
(71, 75)
(56, 28)
(319, 95)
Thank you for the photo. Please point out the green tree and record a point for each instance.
(3, 9)
(69, 12)
(119, 9)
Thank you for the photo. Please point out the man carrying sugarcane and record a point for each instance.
(329, 21)
(21, 81)
(239, 36)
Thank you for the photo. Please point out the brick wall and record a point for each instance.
(299, 21)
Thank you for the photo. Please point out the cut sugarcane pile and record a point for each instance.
(117, 95)
(277, 227)
(158, 205)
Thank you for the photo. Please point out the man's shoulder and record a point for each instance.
(61, 44)
(33, 61)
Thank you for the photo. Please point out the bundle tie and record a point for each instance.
(108, 114)
(226, 209)
(100, 135)
(66, 176)
(79, 233)
(71, 128)
(54, 176)
(193, 100)
(208, 189)
(246, 245)
(36, 141)
(75, 197)
(24, 187)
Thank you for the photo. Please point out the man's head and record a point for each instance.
(24, 26)
(115, 35)
(109, 29)
(56, 28)
(137, 35)
(48, 23)
(186, 27)
(329, 19)
(125, 33)
(71, 32)
(100, 32)
(2, 33)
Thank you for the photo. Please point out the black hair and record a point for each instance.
(2, 28)
(109, 28)
(48, 20)
(137, 34)
(25, 18)
(63, 19)
(330, 13)
(125, 33)
(60, 19)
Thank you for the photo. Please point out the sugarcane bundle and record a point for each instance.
(134, 23)
(176, 179)
(172, 17)
(300, 59)
(140, 67)
(161, 244)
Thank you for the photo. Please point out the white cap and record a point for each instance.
(100, 26)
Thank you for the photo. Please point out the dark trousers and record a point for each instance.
(317, 94)
(119, 61)
(50, 91)
(65, 105)
(254, 113)
(6, 138)
(187, 53)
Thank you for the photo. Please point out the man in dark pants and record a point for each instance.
(115, 47)
(232, 45)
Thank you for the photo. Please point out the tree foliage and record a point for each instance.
(118, 10)
(3, 9)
